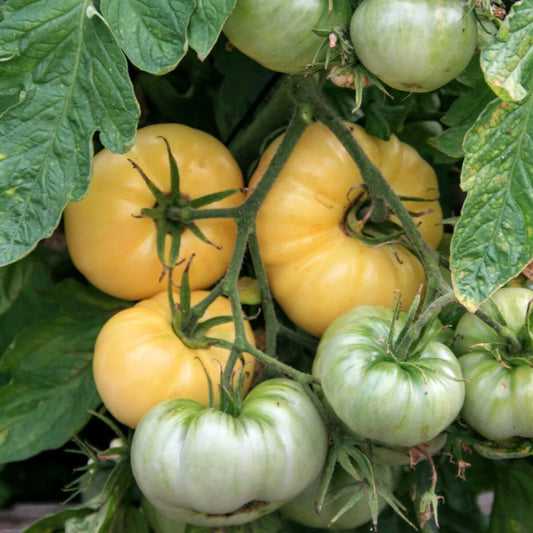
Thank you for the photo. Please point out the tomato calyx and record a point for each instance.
(353, 456)
(174, 212)
(516, 348)
(367, 219)
(185, 321)
(193, 332)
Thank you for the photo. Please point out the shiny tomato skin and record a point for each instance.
(315, 269)
(206, 467)
(499, 387)
(115, 248)
(279, 35)
(414, 45)
(393, 400)
(139, 361)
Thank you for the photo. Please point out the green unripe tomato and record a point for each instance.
(414, 45)
(395, 399)
(279, 34)
(205, 467)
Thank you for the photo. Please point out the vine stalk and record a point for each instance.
(245, 216)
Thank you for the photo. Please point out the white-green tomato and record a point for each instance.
(414, 45)
(499, 373)
(380, 395)
(280, 34)
(202, 466)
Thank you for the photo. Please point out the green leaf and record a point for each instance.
(47, 367)
(242, 87)
(41, 299)
(55, 522)
(13, 279)
(206, 24)
(512, 511)
(493, 240)
(51, 386)
(73, 80)
(507, 61)
(421, 136)
(462, 114)
(153, 33)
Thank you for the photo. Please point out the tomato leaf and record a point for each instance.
(507, 61)
(156, 35)
(40, 299)
(13, 279)
(512, 509)
(50, 386)
(56, 521)
(492, 241)
(242, 87)
(47, 367)
(153, 34)
(206, 24)
(462, 114)
(71, 80)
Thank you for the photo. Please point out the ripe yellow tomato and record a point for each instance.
(116, 249)
(139, 361)
(316, 270)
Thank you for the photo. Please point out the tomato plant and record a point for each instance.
(312, 226)
(381, 394)
(263, 146)
(497, 364)
(111, 234)
(258, 29)
(414, 45)
(140, 360)
(207, 467)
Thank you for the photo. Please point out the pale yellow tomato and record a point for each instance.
(139, 361)
(316, 270)
(115, 248)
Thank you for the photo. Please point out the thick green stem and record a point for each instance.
(402, 349)
(280, 104)
(267, 301)
(281, 367)
(245, 217)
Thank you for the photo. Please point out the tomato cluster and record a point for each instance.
(410, 45)
(215, 443)
(330, 281)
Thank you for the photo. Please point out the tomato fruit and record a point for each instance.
(139, 361)
(499, 388)
(315, 268)
(279, 34)
(414, 45)
(302, 509)
(380, 396)
(116, 249)
(202, 466)
(160, 523)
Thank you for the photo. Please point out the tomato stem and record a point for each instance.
(503, 331)
(245, 216)
(279, 105)
(379, 188)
